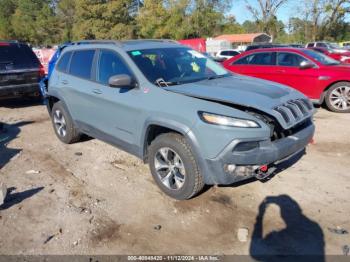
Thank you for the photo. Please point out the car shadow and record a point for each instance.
(21, 102)
(301, 240)
(8, 133)
(16, 198)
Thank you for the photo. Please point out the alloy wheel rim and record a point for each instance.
(170, 168)
(340, 97)
(60, 123)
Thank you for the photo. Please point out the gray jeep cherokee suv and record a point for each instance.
(190, 119)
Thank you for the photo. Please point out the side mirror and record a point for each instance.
(306, 65)
(121, 81)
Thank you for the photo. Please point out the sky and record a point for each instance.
(241, 13)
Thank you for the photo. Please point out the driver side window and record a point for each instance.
(289, 59)
(110, 64)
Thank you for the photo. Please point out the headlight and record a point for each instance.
(227, 121)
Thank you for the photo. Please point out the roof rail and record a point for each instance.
(84, 42)
(151, 40)
(120, 43)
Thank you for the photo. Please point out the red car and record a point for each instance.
(318, 76)
(342, 57)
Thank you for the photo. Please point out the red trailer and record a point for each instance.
(195, 43)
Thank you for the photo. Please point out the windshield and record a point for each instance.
(321, 58)
(334, 46)
(171, 66)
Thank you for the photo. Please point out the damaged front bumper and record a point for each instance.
(243, 159)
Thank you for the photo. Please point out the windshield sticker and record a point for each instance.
(195, 67)
(135, 53)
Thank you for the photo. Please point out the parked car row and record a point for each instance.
(342, 57)
(318, 76)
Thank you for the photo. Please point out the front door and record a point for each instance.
(116, 109)
(288, 72)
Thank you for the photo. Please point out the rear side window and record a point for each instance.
(257, 59)
(321, 45)
(17, 56)
(110, 64)
(81, 63)
(310, 45)
(229, 53)
(63, 63)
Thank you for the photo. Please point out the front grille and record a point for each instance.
(279, 132)
(294, 110)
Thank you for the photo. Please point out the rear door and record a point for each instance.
(288, 72)
(259, 64)
(75, 86)
(18, 65)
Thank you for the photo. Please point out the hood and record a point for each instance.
(243, 91)
(239, 90)
(340, 51)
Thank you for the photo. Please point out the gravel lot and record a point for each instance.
(91, 198)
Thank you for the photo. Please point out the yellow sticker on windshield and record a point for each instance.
(195, 67)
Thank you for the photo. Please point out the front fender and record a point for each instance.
(189, 136)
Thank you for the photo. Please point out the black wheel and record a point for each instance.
(338, 97)
(63, 124)
(174, 167)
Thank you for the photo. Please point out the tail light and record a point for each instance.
(41, 71)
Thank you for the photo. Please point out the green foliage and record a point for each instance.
(206, 19)
(34, 21)
(249, 26)
(66, 17)
(231, 26)
(101, 19)
(7, 8)
(152, 20)
(44, 22)
(178, 19)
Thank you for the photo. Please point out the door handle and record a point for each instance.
(97, 91)
(64, 82)
(280, 71)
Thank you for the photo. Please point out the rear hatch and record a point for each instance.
(18, 65)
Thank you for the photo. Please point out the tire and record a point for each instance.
(60, 117)
(337, 96)
(184, 166)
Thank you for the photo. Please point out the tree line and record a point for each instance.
(46, 22)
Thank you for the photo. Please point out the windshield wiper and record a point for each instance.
(162, 83)
(215, 77)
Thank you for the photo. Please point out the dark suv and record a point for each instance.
(20, 70)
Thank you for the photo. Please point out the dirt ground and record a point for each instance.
(91, 198)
